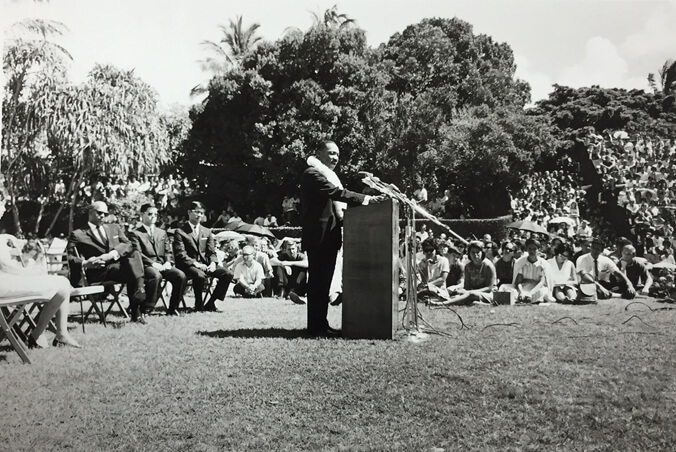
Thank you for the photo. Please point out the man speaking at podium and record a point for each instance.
(323, 200)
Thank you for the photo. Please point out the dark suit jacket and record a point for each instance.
(155, 249)
(187, 251)
(88, 245)
(321, 226)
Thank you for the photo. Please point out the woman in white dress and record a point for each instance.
(562, 274)
(18, 280)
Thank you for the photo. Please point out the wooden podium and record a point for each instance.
(371, 271)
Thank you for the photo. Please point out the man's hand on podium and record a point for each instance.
(377, 199)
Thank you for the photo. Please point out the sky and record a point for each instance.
(611, 43)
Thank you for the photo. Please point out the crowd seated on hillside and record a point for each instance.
(639, 174)
(551, 199)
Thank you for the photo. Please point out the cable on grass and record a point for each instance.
(462, 322)
(626, 308)
(637, 317)
(615, 334)
(564, 318)
(429, 325)
(501, 324)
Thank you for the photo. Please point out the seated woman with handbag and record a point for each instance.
(21, 275)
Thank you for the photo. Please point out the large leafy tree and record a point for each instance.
(459, 68)
(438, 69)
(251, 135)
(410, 110)
(574, 111)
(32, 63)
(484, 154)
(109, 125)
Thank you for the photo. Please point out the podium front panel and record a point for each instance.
(370, 271)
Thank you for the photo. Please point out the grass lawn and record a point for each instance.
(535, 378)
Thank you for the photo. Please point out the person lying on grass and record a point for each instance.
(249, 275)
(479, 279)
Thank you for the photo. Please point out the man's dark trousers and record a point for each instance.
(321, 265)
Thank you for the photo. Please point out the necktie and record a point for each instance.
(195, 232)
(596, 270)
(151, 233)
(99, 235)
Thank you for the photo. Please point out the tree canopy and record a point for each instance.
(390, 110)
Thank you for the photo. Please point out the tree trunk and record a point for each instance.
(71, 215)
(39, 219)
(71, 194)
(15, 208)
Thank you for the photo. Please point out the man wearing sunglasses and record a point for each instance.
(105, 253)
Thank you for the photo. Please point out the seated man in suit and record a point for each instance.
(195, 253)
(106, 254)
(158, 259)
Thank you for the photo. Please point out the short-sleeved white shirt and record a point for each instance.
(606, 266)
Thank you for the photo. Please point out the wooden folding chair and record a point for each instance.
(57, 264)
(206, 293)
(164, 293)
(11, 310)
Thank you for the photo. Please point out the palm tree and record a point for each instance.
(235, 42)
(332, 19)
(667, 78)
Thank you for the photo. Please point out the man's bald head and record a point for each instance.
(98, 210)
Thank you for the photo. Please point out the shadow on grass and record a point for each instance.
(249, 333)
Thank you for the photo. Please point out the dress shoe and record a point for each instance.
(211, 307)
(172, 312)
(140, 295)
(65, 343)
(140, 319)
(295, 298)
(329, 333)
(40, 342)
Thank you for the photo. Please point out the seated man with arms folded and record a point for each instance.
(249, 275)
(596, 268)
(433, 272)
(262, 258)
(105, 253)
(290, 268)
(195, 254)
(158, 259)
(563, 275)
(479, 279)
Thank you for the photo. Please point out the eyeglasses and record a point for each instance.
(247, 254)
(509, 250)
(198, 212)
(100, 212)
